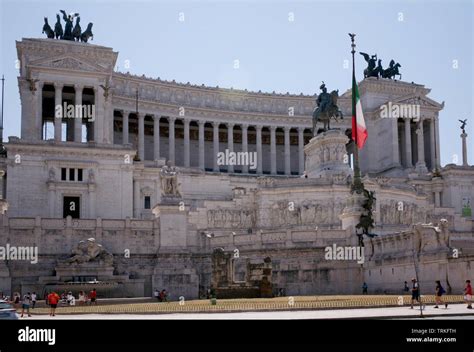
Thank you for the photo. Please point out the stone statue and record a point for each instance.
(463, 125)
(91, 176)
(68, 27)
(90, 251)
(52, 175)
(326, 108)
(169, 180)
(58, 28)
(47, 29)
(370, 71)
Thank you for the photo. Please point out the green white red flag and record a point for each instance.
(359, 130)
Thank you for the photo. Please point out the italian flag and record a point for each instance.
(359, 131)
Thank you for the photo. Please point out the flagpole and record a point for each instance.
(357, 184)
(1, 121)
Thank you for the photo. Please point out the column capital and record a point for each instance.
(301, 129)
(230, 125)
(245, 126)
(39, 85)
(171, 119)
(287, 128)
(186, 121)
(216, 123)
(58, 85)
(140, 116)
(201, 122)
(78, 87)
(259, 128)
(273, 128)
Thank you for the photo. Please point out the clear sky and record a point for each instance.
(281, 46)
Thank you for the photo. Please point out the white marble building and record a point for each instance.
(108, 165)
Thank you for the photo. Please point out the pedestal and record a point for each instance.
(172, 214)
(326, 155)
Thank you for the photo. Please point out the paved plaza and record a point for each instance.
(456, 311)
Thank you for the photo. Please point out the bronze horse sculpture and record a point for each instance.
(47, 29)
(87, 34)
(324, 115)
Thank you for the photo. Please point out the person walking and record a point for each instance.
(415, 292)
(468, 294)
(93, 296)
(439, 291)
(82, 298)
(406, 288)
(365, 288)
(33, 300)
(25, 304)
(53, 299)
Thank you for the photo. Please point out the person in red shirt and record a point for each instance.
(93, 296)
(468, 294)
(53, 299)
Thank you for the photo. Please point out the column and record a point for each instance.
(78, 119)
(215, 143)
(201, 144)
(136, 199)
(259, 150)
(186, 143)
(39, 110)
(437, 199)
(171, 139)
(438, 156)
(420, 165)
(272, 150)
(125, 126)
(408, 158)
(395, 145)
(432, 144)
(141, 136)
(301, 150)
(58, 100)
(287, 151)
(464, 148)
(97, 129)
(245, 146)
(92, 201)
(230, 143)
(156, 137)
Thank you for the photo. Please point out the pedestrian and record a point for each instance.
(406, 288)
(365, 288)
(468, 294)
(156, 294)
(53, 299)
(26, 304)
(163, 296)
(93, 296)
(415, 292)
(33, 300)
(82, 298)
(16, 299)
(439, 291)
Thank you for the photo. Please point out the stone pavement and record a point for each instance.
(456, 310)
(299, 303)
